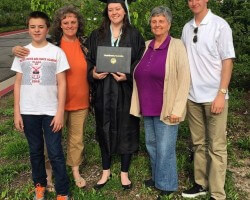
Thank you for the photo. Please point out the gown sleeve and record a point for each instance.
(138, 44)
(91, 44)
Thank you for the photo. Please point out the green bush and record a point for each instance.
(237, 14)
(241, 73)
(14, 12)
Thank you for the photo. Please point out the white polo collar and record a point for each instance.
(205, 20)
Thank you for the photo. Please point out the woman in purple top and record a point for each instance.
(160, 90)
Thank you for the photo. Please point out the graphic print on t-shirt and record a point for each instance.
(35, 74)
(41, 71)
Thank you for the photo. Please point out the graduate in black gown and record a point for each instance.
(117, 131)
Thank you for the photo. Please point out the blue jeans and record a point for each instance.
(161, 144)
(36, 128)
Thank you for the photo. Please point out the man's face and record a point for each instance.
(197, 6)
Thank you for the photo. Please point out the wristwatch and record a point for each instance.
(223, 91)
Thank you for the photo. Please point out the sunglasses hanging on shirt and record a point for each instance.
(195, 38)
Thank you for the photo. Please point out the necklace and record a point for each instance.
(115, 40)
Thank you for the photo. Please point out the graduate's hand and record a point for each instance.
(18, 121)
(99, 75)
(118, 76)
(57, 122)
(20, 51)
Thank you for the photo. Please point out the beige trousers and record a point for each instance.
(208, 132)
(75, 122)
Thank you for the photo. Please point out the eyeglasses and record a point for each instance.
(195, 39)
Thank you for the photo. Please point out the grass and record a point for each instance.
(15, 172)
(16, 149)
(9, 171)
(244, 143)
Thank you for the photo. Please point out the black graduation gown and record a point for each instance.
(117, 131)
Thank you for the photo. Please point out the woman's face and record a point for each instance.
(116, 13)
(69, 25)
(159, 25)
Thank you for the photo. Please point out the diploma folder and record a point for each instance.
(113, 59)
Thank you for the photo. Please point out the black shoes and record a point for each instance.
(100, 186)
(149, 183)
(164, 194)
(195, 191)
(127, 187)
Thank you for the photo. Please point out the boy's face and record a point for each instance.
(38, 30)
(197, 6)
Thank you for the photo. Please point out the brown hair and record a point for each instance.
(38, 14)
(56, 32)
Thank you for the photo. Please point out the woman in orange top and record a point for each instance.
(67, 32)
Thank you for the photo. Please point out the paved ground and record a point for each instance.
(7, 41)
(6, 44)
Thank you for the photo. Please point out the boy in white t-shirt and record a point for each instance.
(39, 98)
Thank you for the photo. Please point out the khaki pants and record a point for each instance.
(208, 132)
(75, 123)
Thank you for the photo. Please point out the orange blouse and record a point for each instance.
(77, 94)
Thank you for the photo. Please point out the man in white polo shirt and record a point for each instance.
(209, 43)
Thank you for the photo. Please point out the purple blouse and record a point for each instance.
(149, 76)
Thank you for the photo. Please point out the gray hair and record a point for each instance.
(161, 10)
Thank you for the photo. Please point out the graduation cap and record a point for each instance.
(120, 1)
